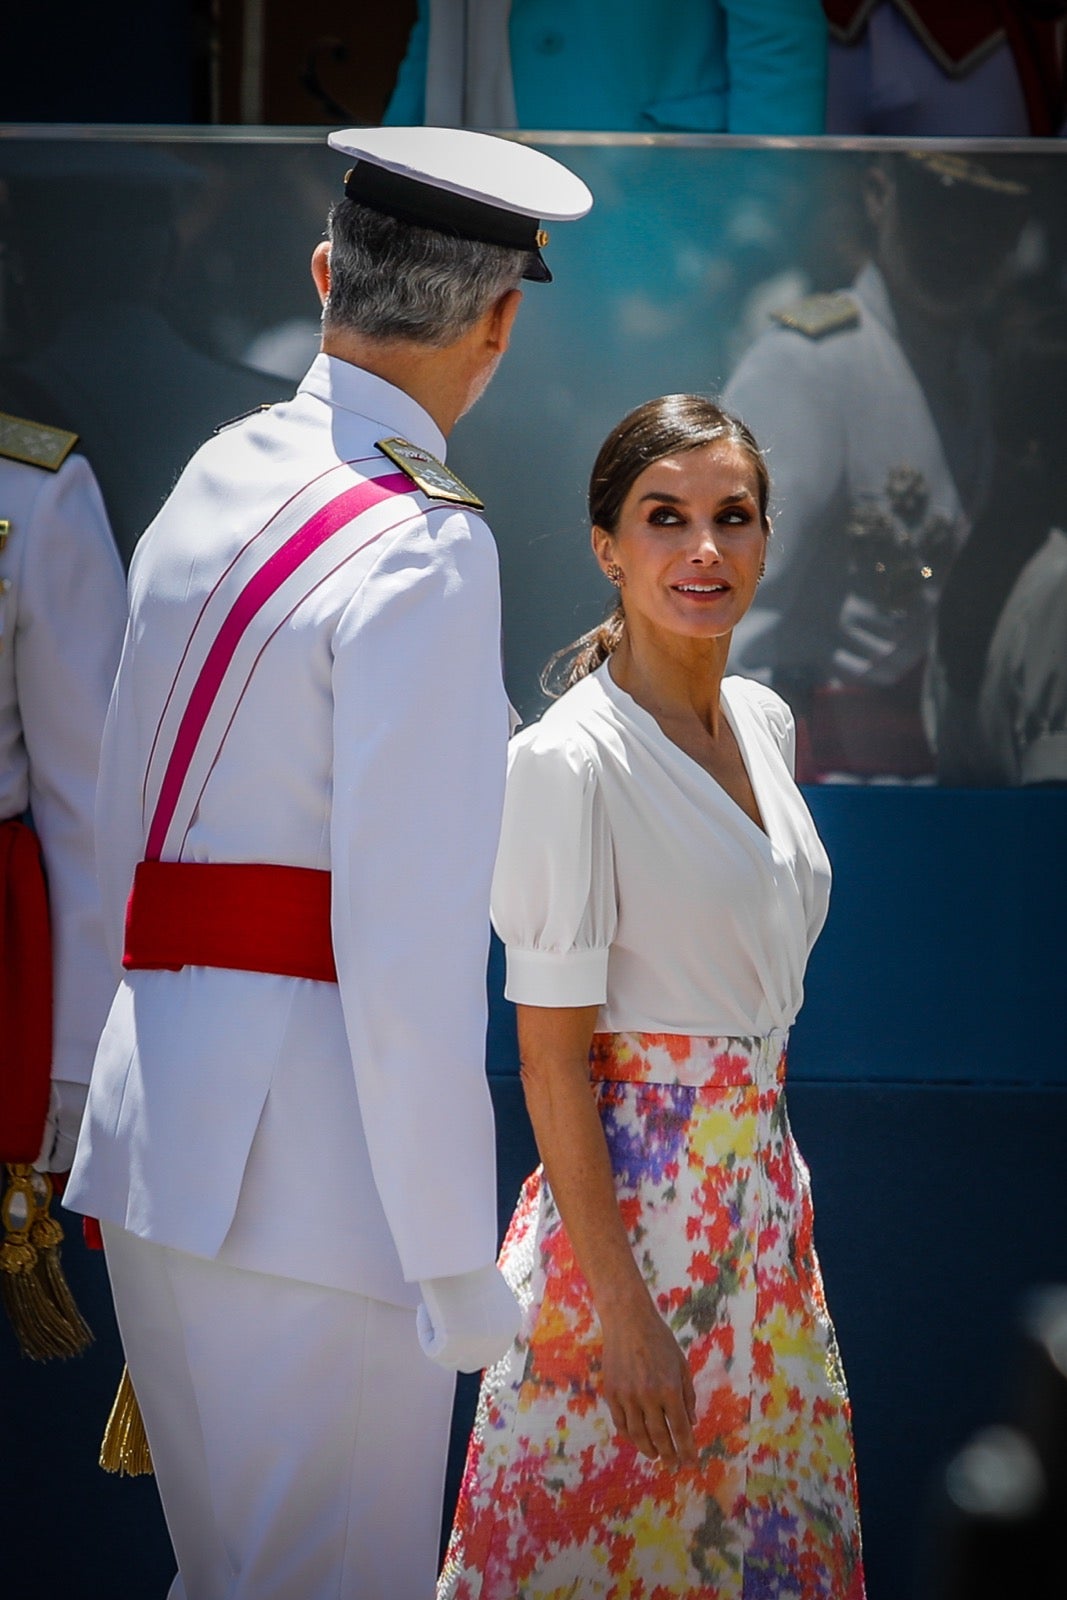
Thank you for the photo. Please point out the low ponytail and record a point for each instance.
(582, 656)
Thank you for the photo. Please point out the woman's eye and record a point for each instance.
(664, 516)
(735, 517)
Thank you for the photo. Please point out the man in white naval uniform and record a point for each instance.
(873, 405)
(62, 615)
(289, 1137)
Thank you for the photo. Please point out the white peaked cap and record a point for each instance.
(473, 185)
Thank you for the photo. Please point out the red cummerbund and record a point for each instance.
(251, 916)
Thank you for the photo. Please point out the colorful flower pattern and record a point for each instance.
(717, 1203)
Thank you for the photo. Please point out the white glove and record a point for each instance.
(467, 1322)
(65, 1111)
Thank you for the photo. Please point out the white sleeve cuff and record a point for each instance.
(557, 977)
(467, 1322)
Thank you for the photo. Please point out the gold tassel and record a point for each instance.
(125, 1443)
(36, 1295)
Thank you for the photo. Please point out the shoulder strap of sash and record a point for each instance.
(308, 538)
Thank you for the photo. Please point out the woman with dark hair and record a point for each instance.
(672, 1420)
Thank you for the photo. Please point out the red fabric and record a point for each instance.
(870, 732)
(25, 995)
(246, 915)
(94, 1239)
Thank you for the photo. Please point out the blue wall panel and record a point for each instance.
(944, 952)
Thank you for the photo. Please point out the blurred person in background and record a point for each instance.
(62, 615)
(938, 68)
(997, 687)
(874, 406)
(698, 66)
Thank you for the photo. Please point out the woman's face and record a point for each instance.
(690, 543)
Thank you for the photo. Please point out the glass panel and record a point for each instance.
(890, 322)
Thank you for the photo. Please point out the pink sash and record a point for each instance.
(307, 540)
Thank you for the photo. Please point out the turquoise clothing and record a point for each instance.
(693, 66)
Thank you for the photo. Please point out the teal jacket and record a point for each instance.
(692, 66)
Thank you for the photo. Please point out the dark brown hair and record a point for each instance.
(668, 426)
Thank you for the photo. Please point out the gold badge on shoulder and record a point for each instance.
(429, 474)
(818, 315)
(35, 443)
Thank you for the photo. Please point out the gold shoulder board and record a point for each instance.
(34, 442)
(820, 314)
(429, 474)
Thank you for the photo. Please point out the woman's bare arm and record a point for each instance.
(647, 1383)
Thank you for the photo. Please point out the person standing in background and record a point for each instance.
(874, 404)
(62, 615)
(289, 1136)
(939, 69)
(703, 66)
(996, 689)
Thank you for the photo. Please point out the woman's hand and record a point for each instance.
(648, 1385)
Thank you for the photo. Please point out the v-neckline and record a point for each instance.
(760, 829)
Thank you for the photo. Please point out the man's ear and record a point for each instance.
(502, 319)
(320, 269)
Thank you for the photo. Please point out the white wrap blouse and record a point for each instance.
(628, 878)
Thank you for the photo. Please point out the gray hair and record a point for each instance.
(392, 280)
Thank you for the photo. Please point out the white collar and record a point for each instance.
(341, 383)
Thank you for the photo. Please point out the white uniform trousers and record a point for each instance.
(298, 1433)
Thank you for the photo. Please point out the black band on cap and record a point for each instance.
(424, 205)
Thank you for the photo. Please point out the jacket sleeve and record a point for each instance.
(71, 615)
(407, 103)
(420, 737)
(554, 886)
(776, 66)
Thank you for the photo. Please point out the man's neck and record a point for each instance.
(432, 377)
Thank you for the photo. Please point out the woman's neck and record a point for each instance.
(674, 681)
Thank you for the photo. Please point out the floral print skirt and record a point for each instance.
(717, 1203)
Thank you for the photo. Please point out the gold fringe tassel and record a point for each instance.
(35, 1294)
(125, 1444)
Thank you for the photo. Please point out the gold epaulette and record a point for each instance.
(820, 314)
(35, 443)
(429, 474)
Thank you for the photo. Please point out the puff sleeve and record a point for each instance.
(553, 896)
(780, 721)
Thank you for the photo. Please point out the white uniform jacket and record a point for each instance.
(866, 513)
(62, 612)
(337, 1133)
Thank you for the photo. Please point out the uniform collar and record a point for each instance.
(352, 388)
(870, 290)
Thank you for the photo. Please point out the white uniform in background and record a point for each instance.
(62, 613)
(1022, 704)
(274, 1159)
(867, 511)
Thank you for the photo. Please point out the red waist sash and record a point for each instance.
(251, 916)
